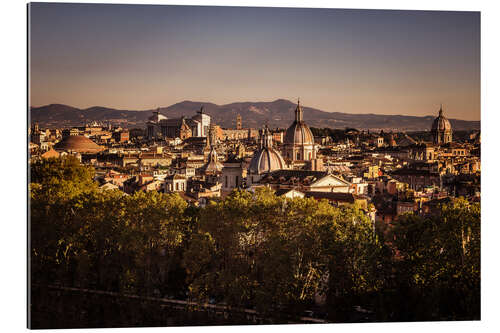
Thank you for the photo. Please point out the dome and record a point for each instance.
(266, 159)
(441, 123)
(78, 143)
(298, 133)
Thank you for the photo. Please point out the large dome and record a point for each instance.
(266, 159)
(78, 143)
(441, 123)
(298, 133)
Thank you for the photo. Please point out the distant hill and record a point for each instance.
(278, 113)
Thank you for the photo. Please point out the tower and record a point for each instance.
(238, 122)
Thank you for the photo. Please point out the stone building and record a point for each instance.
(160, 127)
(305, 181)
(175, 183)
(154, 125)
(204, 119)
(233, 174)
(176, 128)
(422, 152)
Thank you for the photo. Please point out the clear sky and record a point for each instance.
(356, 61)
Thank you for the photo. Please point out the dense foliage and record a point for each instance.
(252, 250)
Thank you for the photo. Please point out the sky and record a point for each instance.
(139, 57)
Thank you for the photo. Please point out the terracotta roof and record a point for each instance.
(50, 153)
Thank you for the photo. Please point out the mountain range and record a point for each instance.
(278, 113)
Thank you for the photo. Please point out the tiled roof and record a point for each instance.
(332, 196)
(284, 191)
(414, 172)
(298, 174)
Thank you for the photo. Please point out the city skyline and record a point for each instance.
(353, 61)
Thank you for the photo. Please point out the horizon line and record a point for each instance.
(218, 105)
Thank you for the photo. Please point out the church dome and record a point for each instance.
(441, 123)
(78, 143)
(266, 159)
(298, 133)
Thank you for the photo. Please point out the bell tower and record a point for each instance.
(238, 122)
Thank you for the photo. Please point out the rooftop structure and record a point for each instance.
(78, 143)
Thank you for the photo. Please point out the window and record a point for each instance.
(177, 186)
(236, 179)
(225, 182)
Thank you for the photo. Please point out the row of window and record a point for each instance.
(179, 186)
(298, 155)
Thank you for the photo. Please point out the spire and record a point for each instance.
(441, 110)
(267, 138)
(298, 112)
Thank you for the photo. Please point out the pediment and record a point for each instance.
(330, 180)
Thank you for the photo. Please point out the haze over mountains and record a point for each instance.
(278, 113)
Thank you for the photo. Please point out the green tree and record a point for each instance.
(437, 263)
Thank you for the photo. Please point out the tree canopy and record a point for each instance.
(252, 250)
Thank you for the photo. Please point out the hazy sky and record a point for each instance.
(355, 61)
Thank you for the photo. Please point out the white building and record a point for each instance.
(204, 120)
(175, 183)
